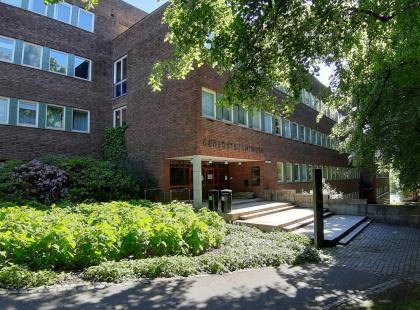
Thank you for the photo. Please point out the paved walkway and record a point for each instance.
(379, 256)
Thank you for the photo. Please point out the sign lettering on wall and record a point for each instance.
(223, 145)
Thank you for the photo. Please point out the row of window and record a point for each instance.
(292, 172)
(64, 12)
(28, 113)
(264, 121)
(39, 57)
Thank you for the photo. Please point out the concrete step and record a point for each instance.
(250, 208)
(242, 201)
(352, 234)
(266, 212)
(305, 222)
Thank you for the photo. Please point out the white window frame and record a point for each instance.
(67, 62)
(246, 117)
(65, 4)
(304, 133)
(214, 103)
(64, 117)
(72, 116)
(90, 69)
(252, 125)
(303, 167)
(293, 174)
(7, 110)
(309, 173)
(23, 55)
(114, 119)
(297, 131)
(115, 76)
(289, 136)
(281, 179)
(290, 166)
(36, 115)
(93, 19)
(13, 48)
(30, 8)
(280, 120)
(271, 123)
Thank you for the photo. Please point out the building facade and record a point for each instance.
(68, 73)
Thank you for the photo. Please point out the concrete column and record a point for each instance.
(197, 183)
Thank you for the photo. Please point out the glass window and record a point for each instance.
(294, 131)
(17, 3)
(286, 128)
(38, 6)
(288, 172)
(307, 135)
(120, 117)
(277, 126)
(180, 176)
(313, 136)
(255, 176)
(27, 113)
(86, 20)
(80, 121)
(58, 62)
(6, 49)
(82, 68)
(120, 77)
(4, 110)
(55, 117)
(268, 122)
(296, 172)
(309, 174)
(62, 12)
(280, 174)
(301, 133)
(303, 171)
(318, 138)
(32, 55)
(240, 115)
(226, 113)
(208, 100)
(255, 120)
(328, 142)
(323, 140)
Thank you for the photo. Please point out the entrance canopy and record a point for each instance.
(215, 159)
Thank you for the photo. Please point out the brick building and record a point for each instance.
(68, 73)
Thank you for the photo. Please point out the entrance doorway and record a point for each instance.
(215, 176)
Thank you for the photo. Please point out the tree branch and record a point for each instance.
(384, 18)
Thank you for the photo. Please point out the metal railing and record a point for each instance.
(166, 196)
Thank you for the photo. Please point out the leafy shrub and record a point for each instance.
(9, 185)
(88, 234)
(114, 146)
(18, 277)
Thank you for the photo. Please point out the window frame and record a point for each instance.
(309, 172)
(65, 4)
(36, 113)
(203, 89)
(290, 167)
(93, 20)
(288, 133)
(90, 69)
(245, 116)
(271, 122)
(303, 128)
(30, 8)
(72, 117)
(49, 61)
(278, 124)
(114, 77)
(40, 59)
(7, 110)
(13, 49)
(303, 168)
(251, 126)
(297, 131)
(255, 168)
(114, 119)
(281, 179)
(64, 117)
(16, 6)
(296, 180)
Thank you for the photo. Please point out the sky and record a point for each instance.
(151, 5)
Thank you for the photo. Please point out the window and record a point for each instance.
(62, 12)
(296, 172)
(255, 121)
(38, 6)
(208, 99)
(303, 171)
(7, 47)
(318, 138)
(58, 62)
(301, 133)
(313, 136)
(286, 128)
(82, 68)
(328, 142)
(255, 176)
(32, 55)
(323, 139)
(240, 115)
(288, 172)
(294, 131)
(55, 117)
(307, 135)
(120, 77)
(27, 113)
(120, 117)
(4, 110)
(85, 20)
(277, 126)
(309, 173)
(268, 122)
(80, 122)
(180, 176)
(17, 3)
(280, 174)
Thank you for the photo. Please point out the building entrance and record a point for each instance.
(215, 177)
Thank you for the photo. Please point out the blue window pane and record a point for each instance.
(85, 20)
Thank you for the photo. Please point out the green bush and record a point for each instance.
(18, 277)
(88, 234)
(10, 188)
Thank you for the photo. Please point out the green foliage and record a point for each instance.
(114, 146)
(10, 189)
(19, 277)
(88, 234)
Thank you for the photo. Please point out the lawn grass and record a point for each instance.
(405, 296)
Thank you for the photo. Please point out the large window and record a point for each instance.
(80, 121)
(62, 12)
(280, 172)
(4, 110)
(224, 113)
(58, 62)
(86, 20)
(255, 176)
(82, 68)
(277, 126)
(309, 174)
(301, 133)
(208, 103)
(303, 172)
(6, 49)
(27, 113)
(307, 135)
(296, 172)
(294, 131)
(255, 119)
(32, 55)
(268, 122)
(55, 117)
(120, 117)
(17, 3)
(240, 115)
(120, 77)
(288, 172)
(180, 176)
(286, 128)
(318, 138)
(38, 6)
(313, 136)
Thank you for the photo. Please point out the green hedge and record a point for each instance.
(88, 234)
